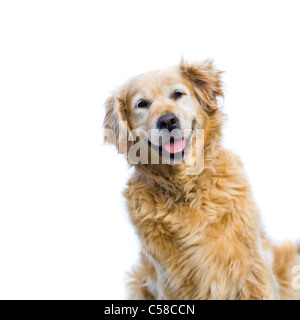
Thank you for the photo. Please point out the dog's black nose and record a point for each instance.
(168, 121)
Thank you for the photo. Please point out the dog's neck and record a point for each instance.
(174, 179)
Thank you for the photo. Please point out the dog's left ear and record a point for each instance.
(206, 81)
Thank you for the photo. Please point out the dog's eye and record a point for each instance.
(177, 94)
(142, 104)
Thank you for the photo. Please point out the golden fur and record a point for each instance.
(201, 236)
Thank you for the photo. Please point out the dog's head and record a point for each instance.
(163, 108)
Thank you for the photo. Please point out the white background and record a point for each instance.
(64, 233)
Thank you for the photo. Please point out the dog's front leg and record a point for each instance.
(156, 233)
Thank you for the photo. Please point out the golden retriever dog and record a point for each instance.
(188, 198)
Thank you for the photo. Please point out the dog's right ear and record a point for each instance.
(116, 126)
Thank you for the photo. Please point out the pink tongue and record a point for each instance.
(174, 147)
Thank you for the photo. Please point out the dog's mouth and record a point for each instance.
(174, 148)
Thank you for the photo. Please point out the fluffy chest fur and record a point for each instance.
(204, 243)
